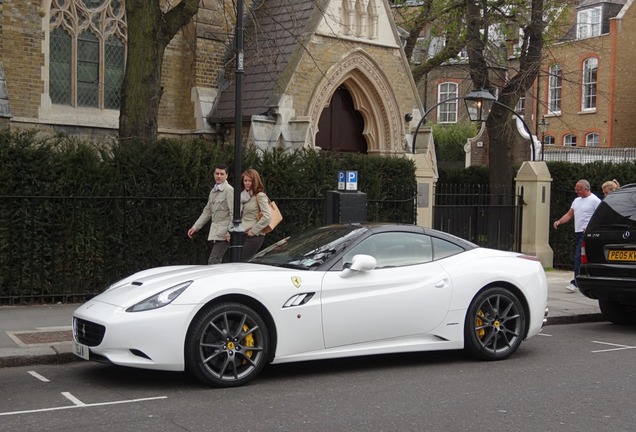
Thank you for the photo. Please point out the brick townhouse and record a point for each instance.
(584, 92)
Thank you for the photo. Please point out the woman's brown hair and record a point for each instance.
(257, 184)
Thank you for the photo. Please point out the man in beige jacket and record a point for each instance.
(219, 211)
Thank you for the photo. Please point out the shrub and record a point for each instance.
(77, 216)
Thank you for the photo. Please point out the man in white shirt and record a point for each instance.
(581, 210)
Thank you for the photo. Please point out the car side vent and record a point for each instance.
(137, 283)
(298, 300)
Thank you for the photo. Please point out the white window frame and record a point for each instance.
(592, 139)
(589, 84)
(569, 140)
(589, 22)
(520, 108)
(548, 139)
(555, 88)
(447, 112)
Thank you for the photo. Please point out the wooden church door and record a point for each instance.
(340, 126)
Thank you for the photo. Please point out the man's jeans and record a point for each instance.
(578, 239)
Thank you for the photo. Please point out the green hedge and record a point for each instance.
(564, 177)
(450, 140)
(77, 216)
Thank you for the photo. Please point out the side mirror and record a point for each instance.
(359, 263)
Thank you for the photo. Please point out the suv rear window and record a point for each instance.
(618, 208)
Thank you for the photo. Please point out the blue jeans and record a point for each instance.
(578, 239)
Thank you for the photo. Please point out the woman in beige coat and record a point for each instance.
(253, 201)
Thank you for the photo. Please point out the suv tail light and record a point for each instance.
(583, 255)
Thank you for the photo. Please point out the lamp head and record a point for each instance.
(479, 103)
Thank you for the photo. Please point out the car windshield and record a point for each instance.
(309, 250)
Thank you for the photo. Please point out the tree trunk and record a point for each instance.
(500, 125)
(499, 154)
(149, 32)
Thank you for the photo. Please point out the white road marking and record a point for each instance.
(73, 399)
(544, 334)
(38, 376)
(82, 406)
(619, 347)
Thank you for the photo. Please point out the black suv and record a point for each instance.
(608, 257)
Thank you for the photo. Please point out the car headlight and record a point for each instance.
(161, 299)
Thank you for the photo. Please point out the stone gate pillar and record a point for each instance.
(535, 180)
(426, 175)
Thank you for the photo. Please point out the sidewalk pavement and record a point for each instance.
(42, 334)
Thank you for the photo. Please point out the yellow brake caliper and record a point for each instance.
(248, 342)
(478, 323)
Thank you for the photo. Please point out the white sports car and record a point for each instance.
(336, 291)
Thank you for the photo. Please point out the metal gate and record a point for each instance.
(485, 215)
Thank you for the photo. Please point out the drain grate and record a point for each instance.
(41, 337)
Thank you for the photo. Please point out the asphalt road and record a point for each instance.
(577, 377)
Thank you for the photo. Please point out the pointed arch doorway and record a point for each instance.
(341, 126)
(373, 99)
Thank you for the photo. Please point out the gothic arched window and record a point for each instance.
(87, 52)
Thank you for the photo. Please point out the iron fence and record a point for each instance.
(583, 155)
(487, 216)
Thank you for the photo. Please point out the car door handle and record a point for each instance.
(441, 284)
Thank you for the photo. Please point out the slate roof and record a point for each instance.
(271, 35)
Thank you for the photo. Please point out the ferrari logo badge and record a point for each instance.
(296, 281)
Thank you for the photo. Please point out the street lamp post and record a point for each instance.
(236, 233)
(543, 125)
(478, 103)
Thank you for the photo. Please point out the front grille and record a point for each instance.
(88, 333)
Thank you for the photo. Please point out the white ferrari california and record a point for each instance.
(336, 291)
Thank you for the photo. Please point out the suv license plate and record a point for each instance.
(621, 255)
(81, 350)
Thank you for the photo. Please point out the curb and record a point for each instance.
(58, 354)
(575, 319)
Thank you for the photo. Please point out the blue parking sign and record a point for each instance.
(351, 180)
(341, 180)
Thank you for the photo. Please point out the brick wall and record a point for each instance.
(176, 111)
(624, 97)
(21, 50)
(573, 120)
(193, 58)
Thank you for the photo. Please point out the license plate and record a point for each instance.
(81, 350)
(621, 255)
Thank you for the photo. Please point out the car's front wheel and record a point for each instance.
(227, 345)
(495, 324)
(617, 313)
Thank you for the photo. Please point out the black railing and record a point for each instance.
(487, 216)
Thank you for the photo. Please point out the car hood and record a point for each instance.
(144, 284)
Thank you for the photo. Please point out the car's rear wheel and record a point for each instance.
(227, 345)
(617, 313)
(495, 324)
